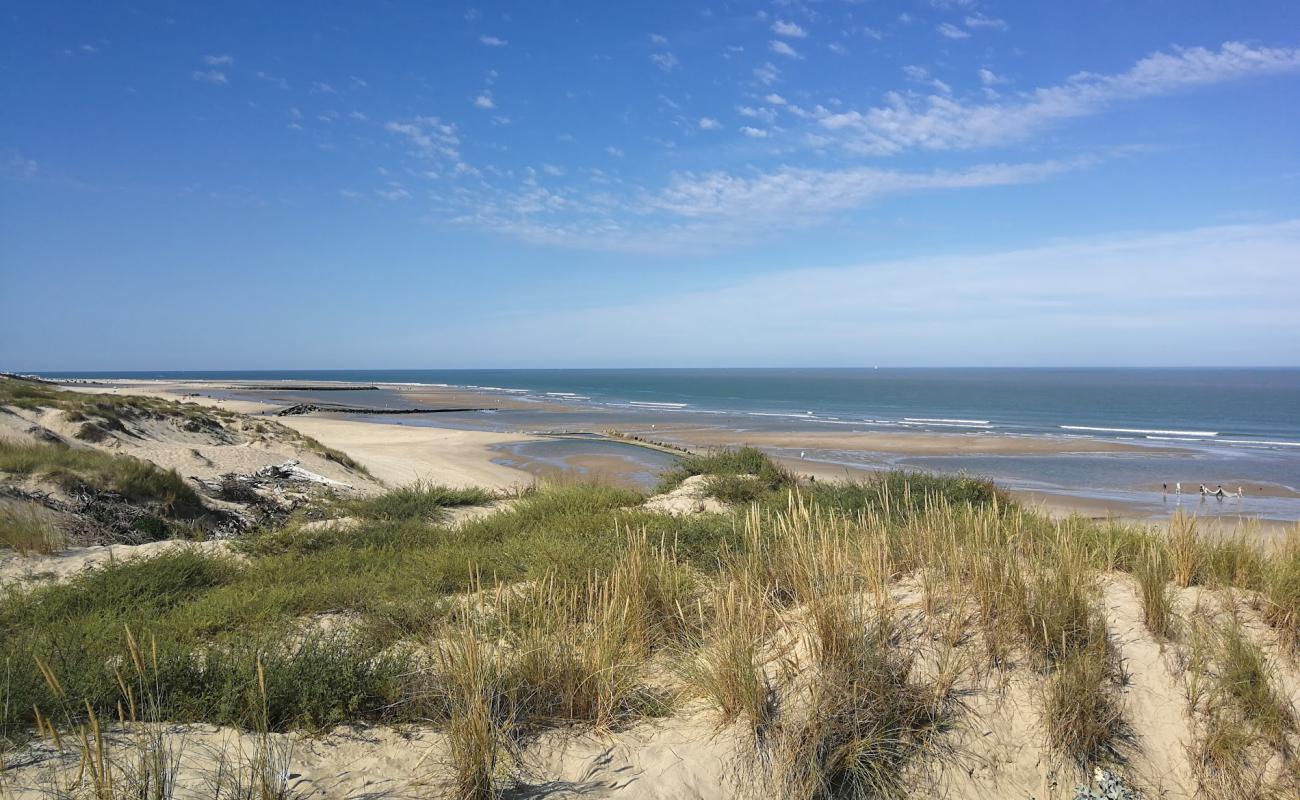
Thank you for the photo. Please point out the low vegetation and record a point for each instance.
(102, 415)
(80, 469)
(419, 501)
(841, 629)
(27, 532)
(729, 464)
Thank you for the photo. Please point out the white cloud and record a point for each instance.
(767, 74)
(765, 114)
(493, 41)
(212, 76)
(1052, 304)
(318, 87)
(781, 48)
(754, 133)
(808, 195)
(279, 83)
(919, 74)
(942, 123)
(775, 99)
(18, 166)
(394, 191)
(617, 152)
(981, 21)
(484, 101)
(358, 116)
(710, 124)
(552, 170)
(952, 31)
(658, 39)
(713, 211)
(89, 49)
(432, 138)
(990, 78)
(217, 61)
(837, 48)
(664, 61)
(782, 28)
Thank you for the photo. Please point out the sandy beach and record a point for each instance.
(402, 454)
(398, 453)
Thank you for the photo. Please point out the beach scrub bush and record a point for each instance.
(736, 489)
(728, 463)
(419, 501)
(899, 494)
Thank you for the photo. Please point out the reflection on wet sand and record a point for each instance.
(601, 460)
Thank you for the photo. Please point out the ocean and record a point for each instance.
(1238, 425)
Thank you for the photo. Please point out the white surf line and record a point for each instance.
(982, 426)
(649, 404)
(943, 421)
(1259, 442)
(1176, 439)
(567, 396)
(1137, 430)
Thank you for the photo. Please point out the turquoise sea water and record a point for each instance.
(1230, 426)
(1260, 404)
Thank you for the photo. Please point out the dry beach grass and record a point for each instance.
(901, 637)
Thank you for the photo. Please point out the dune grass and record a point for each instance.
(795, 618)
(100, 412)
(1154, 578)
(1244, 723)
(136, 480)
(419, 501)
(27, 532)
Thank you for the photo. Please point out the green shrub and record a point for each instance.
(743, 461)
(736, 489)
(419, 501)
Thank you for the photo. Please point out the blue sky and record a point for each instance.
(325, 184)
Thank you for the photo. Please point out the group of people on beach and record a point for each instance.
(1205, 492)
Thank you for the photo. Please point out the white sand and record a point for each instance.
(687, 499)
(403, 454)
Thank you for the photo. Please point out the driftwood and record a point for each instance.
(290, 471)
